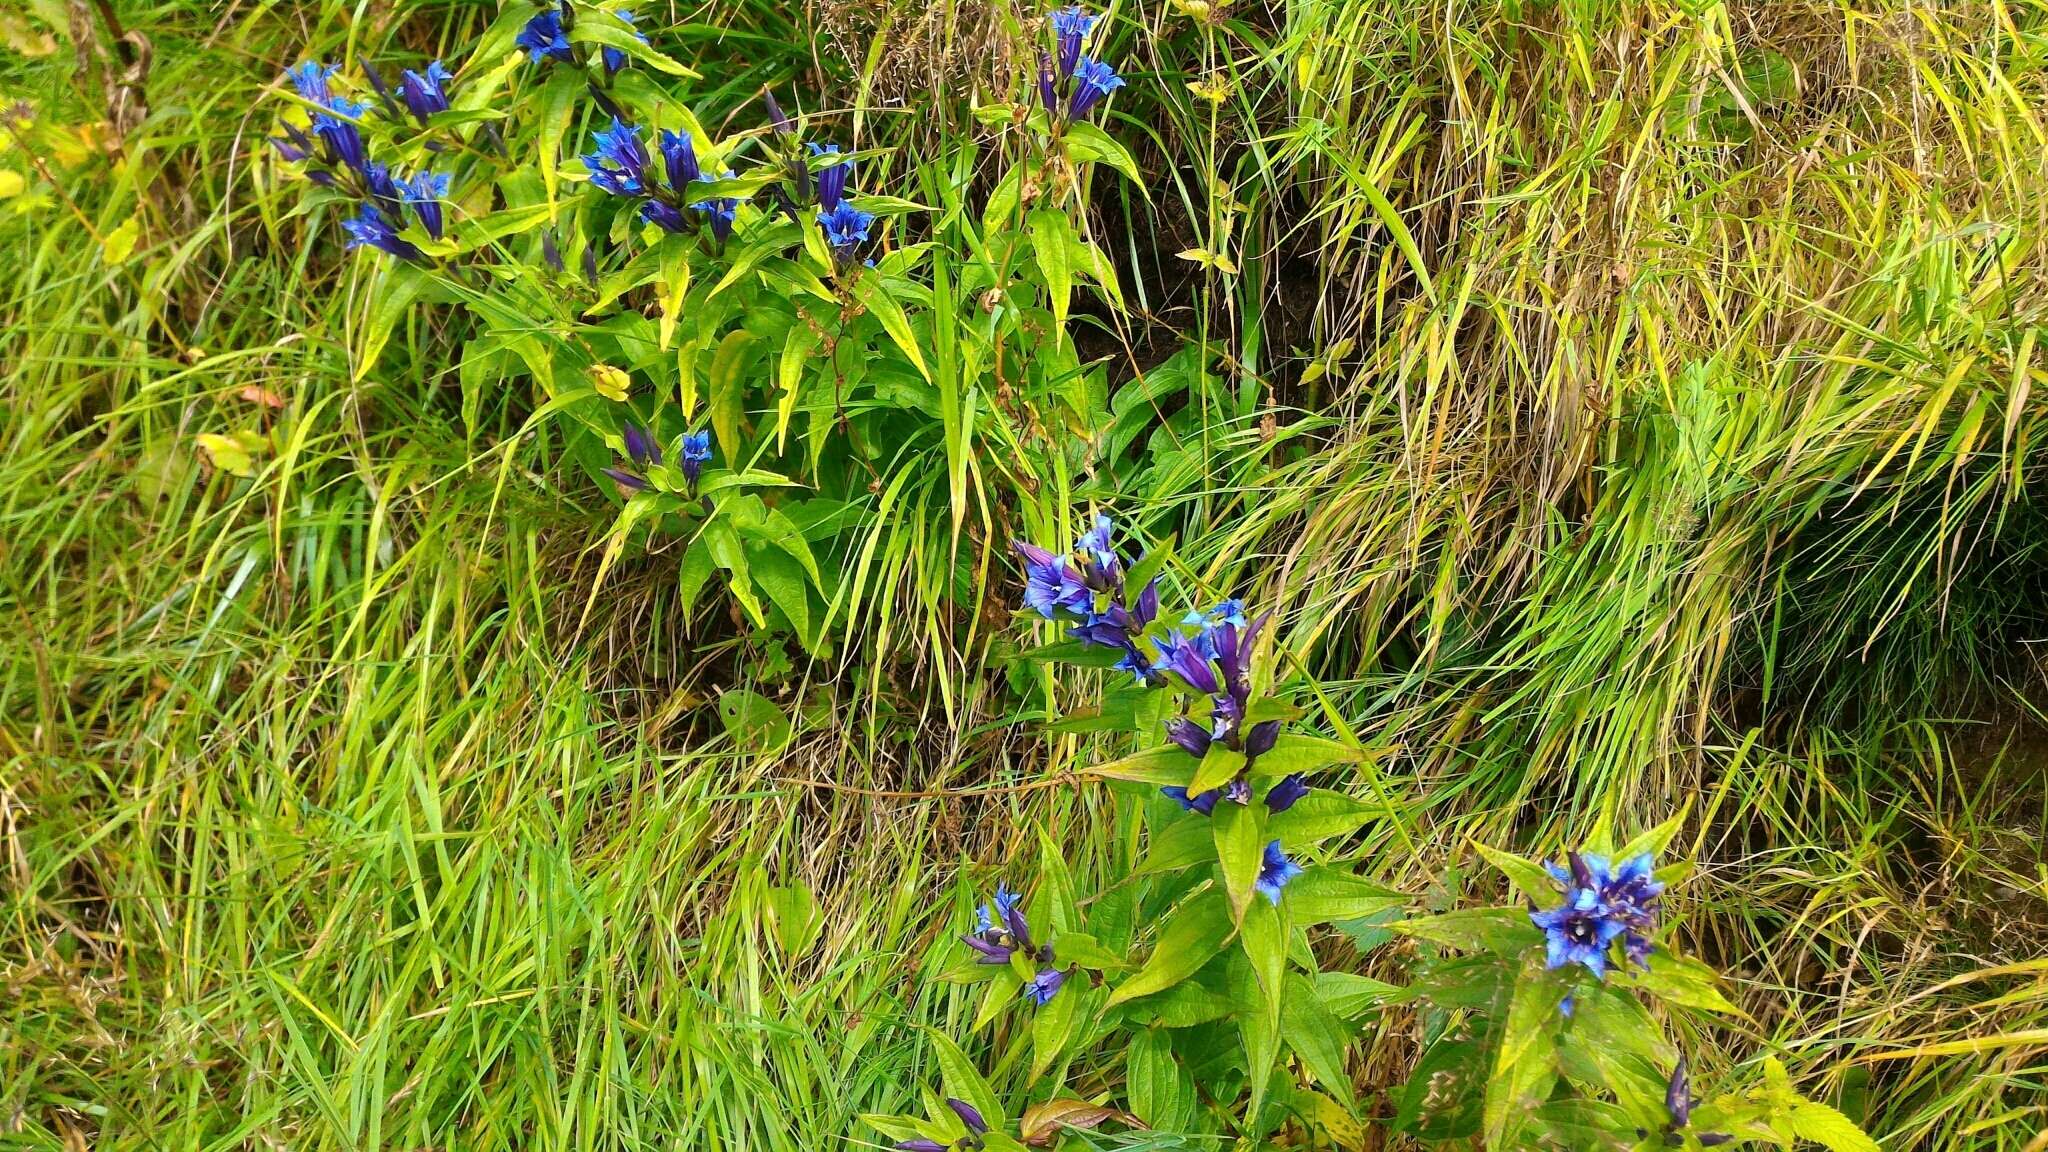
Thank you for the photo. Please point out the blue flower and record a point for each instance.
(1044, 986)
(1101, 568)
(383, 187)
(1050, 585)
(545, 38)
(661, 212)
(1579, 931)
(846, 228)
(832, 177)
(679, 158)
(696, 454)
(1282, 796)
(1629, 893)
(614, 58)
(1070, 26)
(721, 211)
(311, 79)
(619, 166)
(341, 140)
(969, 1115)
(1192, 737)
(1679, 1103)
(424, 193)
(1275, 871)
(1202, 802)
(425, 93)
(1093, 80)
(1182, 657)
(1001, 930)
(777, 119)
(370, 229)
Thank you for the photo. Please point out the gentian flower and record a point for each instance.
(1192, 737)
(1093, 80)
(1629, 893)
(1000, 930)
(1070, 26)
(619, 166)
(1281, 796)
(1579, 931)
(370, 229)
(1679, 1102)
(310, 79)
(545, 38)
(679, 159)
(1202, 802)
(643, 450)
(1044, 986)
(969, 1115)
(340, 139)
(614, 58)
(662, 213)
(721, 211)
(1050, 585)
(920, 1145)
(832, 177)
(1275, 871)
(846, 228)
(696, 454)
(424, 193)
(382, 186)
(777, 120)
(425, 93)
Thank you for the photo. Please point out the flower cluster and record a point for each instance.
(622, 167)
(1603, 903)
(1069, 83)
(1086, 585)
(337, 156)
(977, 1127)
(1001, 932)
(645, 453)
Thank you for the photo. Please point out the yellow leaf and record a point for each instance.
(611, 383)
(12, 184)
(119, 244)
(232, 454)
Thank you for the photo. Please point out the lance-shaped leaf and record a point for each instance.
(1306, 754)
(1320, 815)
(962, 1081)
(1043, 1123)
(1218, 768)
(1240, 847)
(1322, 894)
(1194, 933)
(1525, 1063)
(1164, 765)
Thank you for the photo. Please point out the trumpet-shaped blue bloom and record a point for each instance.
(544, 38)
(846, 229)
(370, 229)
(424, 193)
(696, 454)
(619, 166)
(1282, 796)
(832, 178)
(1044, 986)
(1093, 80)
(969, 1115)
(679, 160)
(721, 213)
(666, 215)
(425, 93)
(1579, 931)
(1070, 26)
(1051, 584)
(1628, 893)
(1275, 872)
(310, 79)
(340, 139)
(615, 58)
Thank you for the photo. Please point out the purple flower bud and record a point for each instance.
(1282, 795)
(969, 1115)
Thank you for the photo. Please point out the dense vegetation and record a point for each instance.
(1624, 409)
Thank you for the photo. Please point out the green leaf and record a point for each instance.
(1506, 931)
(1823, 1125)
(1054, 1025)
(1074, 652)
(1528, 877)
(1184, 842)
(1002, 992)
(782, 578)
(1059, 905)
(613, 33)
(1263, 936)
(795, 354)
(728, 553)
(1240, 846)
(1583, 1126)
(753, 720)
(1269, 708)
(1292, 754)
(1323, 893)
(1157, 1088)
(1168, 764)
(1525, 1063)
(402, 285)
(1219, 767)
(960, 1079)
(793, 915)
(1350, 995)
(1685, 981)
(870, 291)
(1083, 949)
(1316, 1034)
(1085, 141)
(728, 391)
(1654, 841)
(557, 106)
(1194, 933)
(1051, 242)
(1320, 815)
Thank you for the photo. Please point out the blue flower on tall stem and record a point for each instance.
(370, 229)
(696, 454)
(846, 229)
(1044, 986)
(1092, 81)
(832, 178)
(341, 139)
(311, 80)
(1602, 904)
(1275, 872)
(544, 38)
(619, 166)
(425, 93)
(1083, 79)
(424, 194)
(1088, 582)
(1070, 26)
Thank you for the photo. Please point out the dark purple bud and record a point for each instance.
(1192, 737)
(640, 445)
(1678, 1095)
(627, 479)
(920, 1146)
(1020, 928)
(550, 251)
(1046, 91)
(990, 953)
(1260, 739)
(590, 264)
(969, 1115)
(776, 119)
(1281, 796)
(1713, 1139)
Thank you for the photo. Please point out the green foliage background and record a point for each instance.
(1629, 404)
